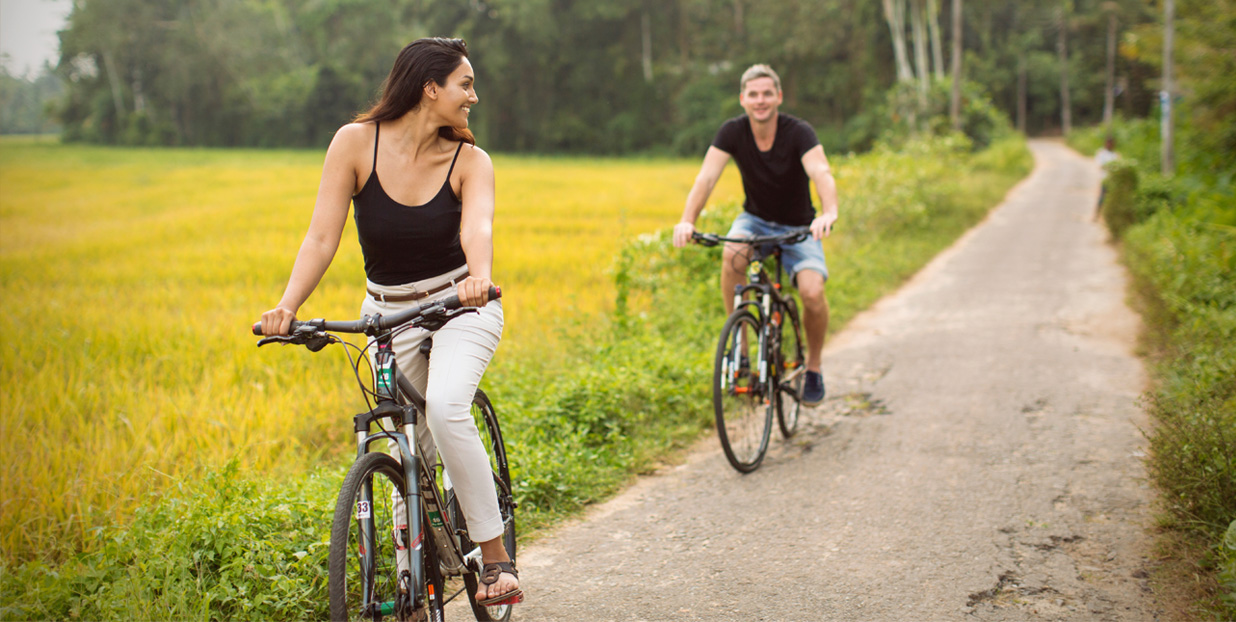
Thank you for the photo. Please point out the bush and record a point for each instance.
(1227, 569)
(899, 116)
(1121, 205)
(234, 548)
(1189, 266)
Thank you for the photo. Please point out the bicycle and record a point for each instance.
(760, 362)
(382, 561)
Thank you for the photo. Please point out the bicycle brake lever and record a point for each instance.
(281, 339)
(706, 239)
(438, 318)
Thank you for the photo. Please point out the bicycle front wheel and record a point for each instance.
(371, 552)
(792, 370)
(486, 420)
(743, 406)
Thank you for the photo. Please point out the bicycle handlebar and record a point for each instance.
(790, 237)
(380, 322)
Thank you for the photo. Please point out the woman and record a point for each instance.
(424, 197)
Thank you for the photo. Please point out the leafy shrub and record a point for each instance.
(1189, 265)
(234, 548)
(1227, 569)
(1121, 204)
(900, 116)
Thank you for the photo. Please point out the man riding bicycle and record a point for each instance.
(778, 156)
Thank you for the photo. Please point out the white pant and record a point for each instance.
(461, 351)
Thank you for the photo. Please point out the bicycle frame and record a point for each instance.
(767, 290)
(395, 391)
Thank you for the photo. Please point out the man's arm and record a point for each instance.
(816, 166)
(714, 163)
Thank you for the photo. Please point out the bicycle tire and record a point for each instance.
(741, 401)
(486, 419)
(372, 479)
(791, 371)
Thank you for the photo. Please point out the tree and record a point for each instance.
(954, 109)
(1062, 49)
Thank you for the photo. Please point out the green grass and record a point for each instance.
(152, 379)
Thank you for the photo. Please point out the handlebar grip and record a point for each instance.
(257, 327)
(452, 302)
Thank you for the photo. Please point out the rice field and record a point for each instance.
(129, 278)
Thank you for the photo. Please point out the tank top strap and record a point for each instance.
(377, 129)
(452, 169)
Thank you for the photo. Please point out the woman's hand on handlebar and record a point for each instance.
(474, 291)
(277, 321)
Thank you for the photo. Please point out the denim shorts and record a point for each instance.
(805, 255)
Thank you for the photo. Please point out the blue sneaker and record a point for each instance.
(813, 388)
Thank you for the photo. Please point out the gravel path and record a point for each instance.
(979, 458)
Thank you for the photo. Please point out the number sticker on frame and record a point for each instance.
(363, 509)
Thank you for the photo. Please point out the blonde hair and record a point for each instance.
(758, 71)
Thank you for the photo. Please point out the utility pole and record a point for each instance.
(1167, 155)
(1109, 98)
(954, 107)
(1062, 51)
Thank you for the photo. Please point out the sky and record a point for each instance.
(28, 33)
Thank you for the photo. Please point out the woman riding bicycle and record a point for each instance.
(424, 199)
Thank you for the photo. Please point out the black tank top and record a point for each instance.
(403, 243)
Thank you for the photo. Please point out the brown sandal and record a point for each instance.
(489, 576)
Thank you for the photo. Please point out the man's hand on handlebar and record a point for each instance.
(822, 226)
(682, 234)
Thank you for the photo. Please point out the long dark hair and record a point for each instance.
(432, 58)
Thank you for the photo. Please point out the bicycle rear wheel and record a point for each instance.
(792, 370)
(743, 406)
(486, 420)
(365, 578)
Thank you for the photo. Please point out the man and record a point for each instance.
(778, 156)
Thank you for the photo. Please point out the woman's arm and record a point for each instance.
(330, 212)
(476, 227)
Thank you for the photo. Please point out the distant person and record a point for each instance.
(1105, 155)
(778, 156)
(424, 199)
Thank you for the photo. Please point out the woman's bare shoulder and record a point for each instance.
(474, 158)
(354, 135)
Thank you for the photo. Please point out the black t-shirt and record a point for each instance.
(776, 185)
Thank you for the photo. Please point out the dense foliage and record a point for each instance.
(23, 102)
(234, 546)
(616, 76)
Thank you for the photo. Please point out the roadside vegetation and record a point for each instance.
(178, 467)
(1177, 235)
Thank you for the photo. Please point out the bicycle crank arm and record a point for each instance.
(472, 561)
(794, 374)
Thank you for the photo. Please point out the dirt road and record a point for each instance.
(978, 458)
